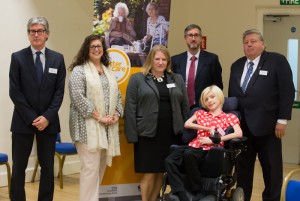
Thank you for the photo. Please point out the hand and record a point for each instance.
(280, 130)
(115, 119)
(106, 120)
(147, 38)
(40, 123)
(205, 140)
(211, 131)
(127, 37)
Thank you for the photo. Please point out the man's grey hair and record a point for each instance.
(38, 20)
(253, 31)
(190, 27)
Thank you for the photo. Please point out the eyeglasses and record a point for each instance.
(39, 32)
(93, 47)
(193, 35)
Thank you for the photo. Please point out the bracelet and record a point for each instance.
(116, 114)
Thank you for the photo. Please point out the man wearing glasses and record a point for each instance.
(198, 68)
(36, 88)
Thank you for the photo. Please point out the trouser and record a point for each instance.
(183, 168)
(93, 165)
(269, 152)
(21, 149)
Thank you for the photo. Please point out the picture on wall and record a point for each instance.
(133, 26)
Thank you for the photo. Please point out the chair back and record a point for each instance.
(58, 139)
(3, 158)
(292, 191)
(291, 187)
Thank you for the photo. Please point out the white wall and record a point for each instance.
(223, 22)
(70, 21)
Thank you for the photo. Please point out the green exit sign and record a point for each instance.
(289, 2)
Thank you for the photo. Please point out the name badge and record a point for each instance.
(53, 70)
(172, 85)
(221, 131)
(263, 72)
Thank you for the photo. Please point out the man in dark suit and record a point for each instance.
(198, 73)
(262, 82)
(36, 87)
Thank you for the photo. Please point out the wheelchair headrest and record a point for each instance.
(230, 104)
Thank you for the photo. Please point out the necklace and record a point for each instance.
(160, 79)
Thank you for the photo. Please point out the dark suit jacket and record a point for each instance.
(209, 71)
(142, 105)
(31, 99)
(268, 97)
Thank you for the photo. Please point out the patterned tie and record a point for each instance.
(247, 77)
(191, 81)
(39, 66)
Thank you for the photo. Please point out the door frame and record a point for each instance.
(261, 11)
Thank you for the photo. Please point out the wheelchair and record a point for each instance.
(219, 168)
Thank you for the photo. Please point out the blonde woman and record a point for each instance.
(156, 108)
(191, 156)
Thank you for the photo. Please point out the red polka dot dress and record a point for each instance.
(206, 119)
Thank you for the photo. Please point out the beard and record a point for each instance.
(194, 46)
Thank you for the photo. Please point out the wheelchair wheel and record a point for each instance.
(237, 194)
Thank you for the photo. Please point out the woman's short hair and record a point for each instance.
(150, 59)
(38, 20)
(215, 90)
(118, 6)
(154, 5)
(82, 56)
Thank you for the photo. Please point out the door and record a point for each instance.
(282, 34)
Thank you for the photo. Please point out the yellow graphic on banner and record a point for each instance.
(120, 64)
(122, 170)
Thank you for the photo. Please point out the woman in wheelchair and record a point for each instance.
(189, 158)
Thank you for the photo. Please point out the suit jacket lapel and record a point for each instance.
(152, 85)
(256, 72)
(31, 64)
(170, 79)
(240, 71)
(47, 65)
(201, 62)
(182, 65)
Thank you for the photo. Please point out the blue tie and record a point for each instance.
(247, 77)
(39, 66)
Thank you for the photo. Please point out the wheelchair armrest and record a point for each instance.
(237, 143)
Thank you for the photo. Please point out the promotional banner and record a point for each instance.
(130, 28)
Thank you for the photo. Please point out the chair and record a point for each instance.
(290, 188)
(62, 149)
(4, 161)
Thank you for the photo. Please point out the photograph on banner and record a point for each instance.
(133, 26)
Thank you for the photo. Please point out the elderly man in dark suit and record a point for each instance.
(36, 87)
(198, 68)
(262, 82)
